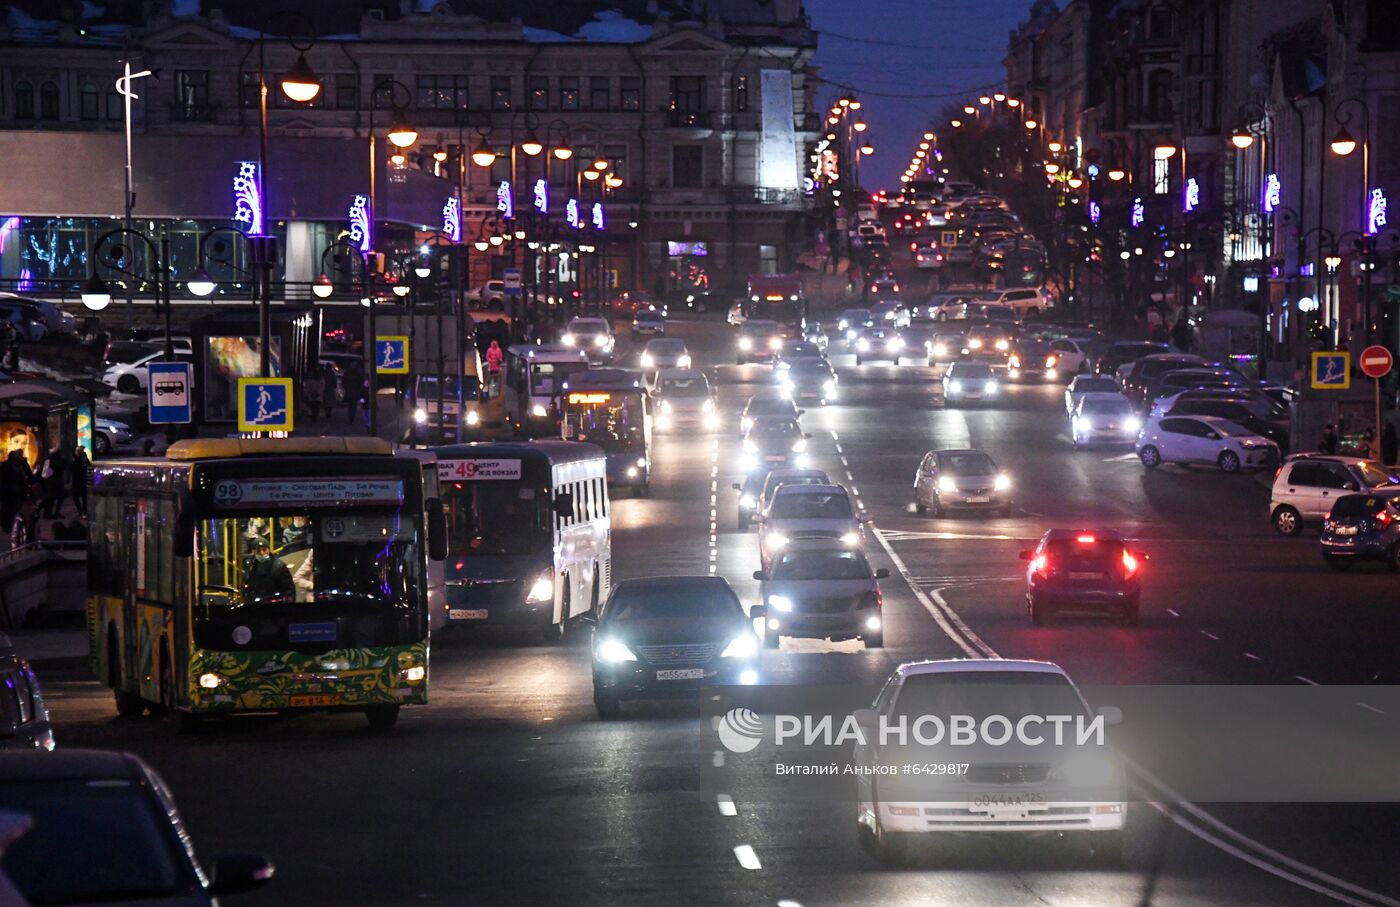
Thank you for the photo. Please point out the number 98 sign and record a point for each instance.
(228, 491)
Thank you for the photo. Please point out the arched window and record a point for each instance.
(89, 107)
(24, 101)
(48, 101)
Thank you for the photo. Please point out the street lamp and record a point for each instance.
(200, 283)
(1165, 151)
(1055, 147)
(1242, 139)
(96, 296)
(1031, 125)
(1342, 143)
(482, 155)
(323, 287)
(1116, 174)
(956, 124)
(300, 83)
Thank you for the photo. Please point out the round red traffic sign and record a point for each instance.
(1376, 361)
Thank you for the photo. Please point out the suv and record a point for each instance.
(1082, 570)
(822, 592)
(1027, 301)
(1307, 485)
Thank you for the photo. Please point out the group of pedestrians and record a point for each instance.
(29, 493)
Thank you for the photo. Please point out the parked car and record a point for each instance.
(1123, 352)
(108, 434)
(132, 377)
(1253, 410)
(1307, 485)
(1204, 439)
(55, 319)
(27, 324)
(490, 291)
(24, 719)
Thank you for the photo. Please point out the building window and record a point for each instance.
(631, 93)
(24, 101)
(1159, 96)
(500, 92)
(192, 91)
(741, 93)
(115, 109)
(687, 166)
(248, 90)
(538, 96)
(599, 93)
(89, 102)
(617, 160)
(688, 94)
(442, 92)
(568, 92)
(383, 91)
(347, 90)
(48, 101)
(1159, 24)
(1161, 170)
(500, 170)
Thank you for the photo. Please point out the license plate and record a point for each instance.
(979, 499)
(1346, 530)
(1086, 576)
(774, 458)
(681, 674)
(994, 802)
(468, 613)
(304, 701)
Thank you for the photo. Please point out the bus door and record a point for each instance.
(134, 531)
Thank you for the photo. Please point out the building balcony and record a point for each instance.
(691, 124)
(759, 195)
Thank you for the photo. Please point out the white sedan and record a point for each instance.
(1088, 384)
(1071, 355)
(131, 377)
(1204, 439)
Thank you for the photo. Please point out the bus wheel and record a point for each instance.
(129, 705)
(382, 717)
(552, 632)
(597, 584)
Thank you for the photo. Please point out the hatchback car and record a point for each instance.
(878, 343)
(1033, 360)
(850, 322)
(1363, 527)
(683, 398)
(592, 335)
(667, 636)
(663, 352)
(758, 341)
(106, 830)
(1249, 408)
(799, 516)
(787, 475)
(826, 592)
(808, 379)
(917, 344)
(1104, 419)
(969, 382)
(1083, 570)
(960, 480)
(1307, 485)
(648, 324)
(1203, 439)
(988, 342)
(774, 441)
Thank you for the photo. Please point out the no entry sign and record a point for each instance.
(1376, 361)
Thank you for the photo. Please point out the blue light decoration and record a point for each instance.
(1092, 170)
(1306, 270)
(1191, 196)
(542, 196)
(359, 223)
(1273, 193)
(597, 215)
(26, 281)
(1094, 212)
(7, 227)
(1139, 213)
(1375, 212)
(452, 219)
(505, 201)
(571, 214)
(247, 197)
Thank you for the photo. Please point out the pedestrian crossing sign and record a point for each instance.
(265, 404)
(1331, 371)
(391, 355)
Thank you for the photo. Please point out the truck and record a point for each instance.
(778, 297)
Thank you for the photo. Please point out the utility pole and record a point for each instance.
(129, 195)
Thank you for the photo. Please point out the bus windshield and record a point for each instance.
(547, 378)
(428, 388)
(494, 517)
(614, 422)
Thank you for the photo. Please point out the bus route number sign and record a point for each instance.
(478, 470)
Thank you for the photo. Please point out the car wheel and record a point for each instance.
(382, 717)
(551, 632)
(1150, 456)
(1106, 848)
(607, 704)
(920, 509)
(743, 523)
(1288, 521)
(1229, 461)
(891, 849)
(857, 360)
(1005, 511)
(1040, 615)
(129, 384)
(875, 640)
(100, 444)
(1339, 564)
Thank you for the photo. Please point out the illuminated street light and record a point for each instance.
(531, 145)
(1013, 102)
(1031, 124)
(1055, 147)
(1165, 151)
(300, 83)
(1342, 143)
(969, 110)
(928, 136)
(999, 96)
(984, 100)
(1117, 174)
(200, 283)
(483, 156)
(1052, 168)
(859, 126)
(1242, 139)
(956, 124)
(402, 135)
(563, 152)
(1075, 182)
(323, 287)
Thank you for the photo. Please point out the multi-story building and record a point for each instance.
(695, 114)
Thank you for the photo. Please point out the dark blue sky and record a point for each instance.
(918, 54)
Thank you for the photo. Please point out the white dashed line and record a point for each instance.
(1172, 613)
(1252, 657)
(1370, 708)
(746, 857)
(1211, 636)
(1300, 677)
(726, 805)
(718, 759)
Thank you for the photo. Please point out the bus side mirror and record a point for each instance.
(563, 504)
(437, 530)
(183, 543)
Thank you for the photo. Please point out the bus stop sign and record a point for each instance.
(510, 280)
(168, 392)
(1376, 361)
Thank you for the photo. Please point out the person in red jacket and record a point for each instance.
(494, 358)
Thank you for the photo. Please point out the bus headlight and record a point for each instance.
(829, 387)
(420, 415)
(568, 339)
(211, 681)
(613, 652)
(746, 343)
(1082, 424)
(647, 360)
(779, 603)
(542, 590)
(415, 674)
(954, 387)
(895, 344)
(975, 344)
(663, 422)
(538, 411)
(473, 417)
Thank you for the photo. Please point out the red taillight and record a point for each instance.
(1040, 564)
(1130, 564)
(1383, 518)
(1086, 540)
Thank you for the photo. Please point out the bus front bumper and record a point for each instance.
(277, 681)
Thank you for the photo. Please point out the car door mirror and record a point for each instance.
(238, 872)
(802, 412)
(758, 612)
(882, 573)
(1351, 486)
(1026, 555)
(761, 575)
(1110, 714)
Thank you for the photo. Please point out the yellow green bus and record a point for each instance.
(263, 574)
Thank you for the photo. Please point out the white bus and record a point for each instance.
(535, 376)
(529, 535)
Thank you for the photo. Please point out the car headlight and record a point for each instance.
(683, 361)
(940, 349)
(613, 651)
(895, 344)
(799, 445)
(647, 360)
(539, 411)
(211, 681)
(975, 344)
(829, 386)
(745, 343)
(955, 387)
(850, 539)
(665, 406)
(947, 485)
(1002, 482)
(663, 422)
(1132, 425)
(842, 325)
(863, 345)
(742, 646)
(641, 462)
(631, 472)
(750, 445)
(473, 417)
(1082, 423)
(600, 340)
(708, 406)
(1050, 361)
(776, 540)
(991, 387)
(850, 334)
(415, 674)
(747, 501)
(711, 420)
(775, 343)
(420, 415)
(779, 603)
(542, 590)
(1003, 346)
(568, 339)
(746, 423)
(786, 390)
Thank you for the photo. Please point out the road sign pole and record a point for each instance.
(1376, 362)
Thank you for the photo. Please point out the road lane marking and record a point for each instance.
(718, 759)
(1209, 635)
(1172, 612)
(1252, 657)
(1311, 683)
(746, 857)
(726, 805)
(1370, 708)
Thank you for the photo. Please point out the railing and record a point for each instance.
(692, 119)
(758, 195)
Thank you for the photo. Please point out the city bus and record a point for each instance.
(609, 407)
(528, 533)
(535, 376)
(262, 574)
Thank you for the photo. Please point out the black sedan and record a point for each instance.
(1083, 570)
(668, 636)
(1363, 527)
(105, 829)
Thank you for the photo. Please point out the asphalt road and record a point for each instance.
(508, 790)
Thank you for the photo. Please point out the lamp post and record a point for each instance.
(1343, 144)
(129, 196)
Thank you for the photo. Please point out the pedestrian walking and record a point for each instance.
(79, 477)
(313, 392)
(16, 479)
(1328, 444)
(495, 357)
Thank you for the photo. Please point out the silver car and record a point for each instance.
(963, 480)
(826, 592)
(683, 397)
(592, 335)
(804, 515)
(664, 352)
(969, 382)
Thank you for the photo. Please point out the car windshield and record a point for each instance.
(1033, 348)
(775, 427)
(588, 326)
(666, 347)
(1373, 475)
(100, 840)
(684, 387)
(982, 694)
(1107, 406)
(970, 370)
(642, 601)
(970, 463)
(803, 565)
(493, 517)
(775, 482)
(810, 505)
(1085, 385)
